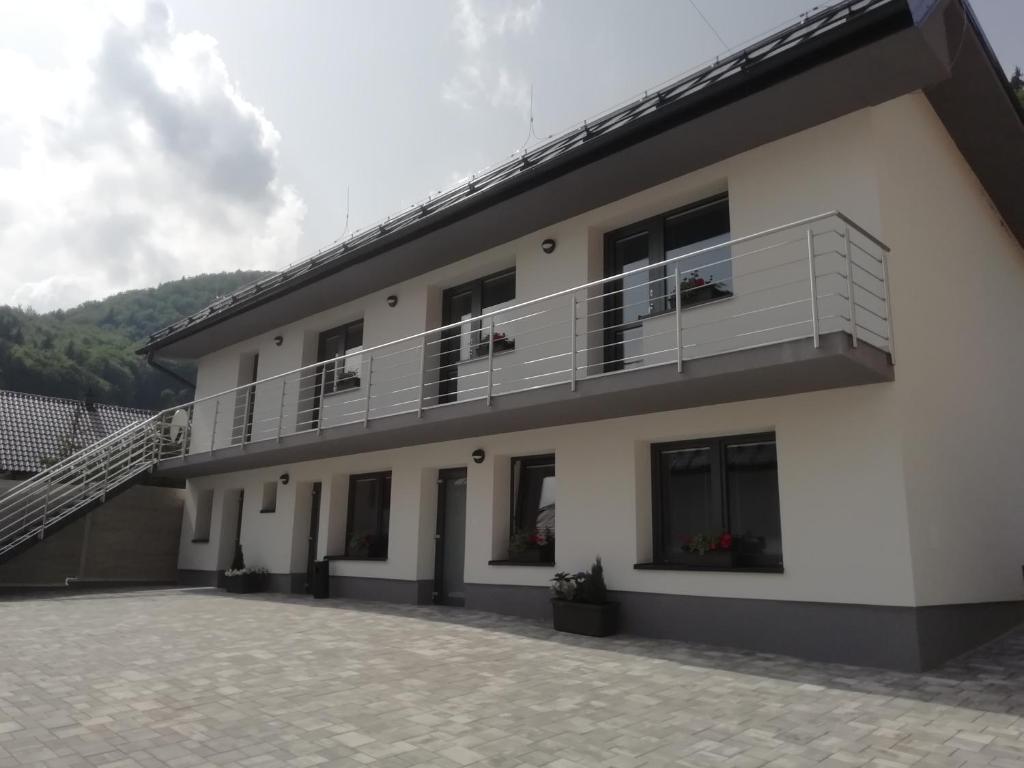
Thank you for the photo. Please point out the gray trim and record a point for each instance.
(384, 590)
(287, 583)
(196, 578)
(770, 371)
(893, 637)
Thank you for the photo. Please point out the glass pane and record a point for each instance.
(631, 253)
(498, 290)
(752, 491)
(369, 517)
(533, 519)
(706, 276)
(632, 346)
(687, 498)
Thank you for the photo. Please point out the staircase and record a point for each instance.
(84, 480)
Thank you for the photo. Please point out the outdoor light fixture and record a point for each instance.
(285, 478)
(479, 456)
(392, 300)
(278, 341)
(548, 246)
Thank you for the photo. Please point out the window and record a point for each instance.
(532, 538)
(716, 503)
(204, 514)
(369, 513)
(339, 375)
(269, 500)
(703, 277)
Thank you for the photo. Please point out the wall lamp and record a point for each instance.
(278, 341)
(392, 300)
(548, 245)
(285, 478)
(479, 456)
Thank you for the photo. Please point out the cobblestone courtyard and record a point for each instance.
(198, 678)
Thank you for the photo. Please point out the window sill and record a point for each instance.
(535, 563)
(268, 511)
(695, 305)
(200, 541)
(344, 390)
(357, 558)
(717, 568)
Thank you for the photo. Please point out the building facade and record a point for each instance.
(754, 343)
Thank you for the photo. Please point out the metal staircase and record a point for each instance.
(37, 507)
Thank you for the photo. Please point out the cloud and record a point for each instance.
(131, 162)
(483, 77)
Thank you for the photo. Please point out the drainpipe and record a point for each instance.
(173, 374)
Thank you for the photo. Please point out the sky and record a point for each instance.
(145, 141)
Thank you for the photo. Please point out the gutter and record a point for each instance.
(173, 374)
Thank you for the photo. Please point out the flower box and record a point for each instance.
(245, 583)
(714, 559)
(592, 619)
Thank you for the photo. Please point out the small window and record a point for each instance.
(369, 513)
(345, 341)
(716, 503)
(204, 514)
(532, 536)
(269, 503)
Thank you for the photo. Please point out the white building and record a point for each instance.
(779, 300)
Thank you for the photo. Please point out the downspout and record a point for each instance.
(173, 374)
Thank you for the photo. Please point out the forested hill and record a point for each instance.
(91, 347)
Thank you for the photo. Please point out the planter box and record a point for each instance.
(585, 618)
(250, 582)
(717, 559)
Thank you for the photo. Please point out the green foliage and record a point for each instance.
(582, 587)
(92, 346)
(1017, 83)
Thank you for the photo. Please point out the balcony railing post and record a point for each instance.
(814, 288)
(888, 304)
(423, 366)
(321, 376)
(246, 425)
(46, 508)
(280, 408)
(572, 342)
(679, 321)
(490, 363)
(369, 385)
(213, 429)
(106, 472)
(849, 287)
(188, 430)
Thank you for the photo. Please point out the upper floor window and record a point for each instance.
(645, 246)
(533, 509)
(345, 340)
(369, 515)
(716, 502)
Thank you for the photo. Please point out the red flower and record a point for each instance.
(726, 541)
(713, 544)
(699, 282)
(536, 538)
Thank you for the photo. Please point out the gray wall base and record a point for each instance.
(903, 638)
(386, 590)
(288, 583)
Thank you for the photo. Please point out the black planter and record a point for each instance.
(595, 620)
(246, 583)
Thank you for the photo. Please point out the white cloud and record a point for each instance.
(132, 161)
(484, 78)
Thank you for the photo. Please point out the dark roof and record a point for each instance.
(36, 430)
(824, 33)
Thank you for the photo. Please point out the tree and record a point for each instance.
(1017, 83)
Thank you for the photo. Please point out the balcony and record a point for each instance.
(800, 307)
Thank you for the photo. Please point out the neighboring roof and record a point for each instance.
(818, 37)
(36, 430)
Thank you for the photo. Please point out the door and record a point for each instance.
(450, 553)
(632, 298)
(245, 401)
(314, 533)
(455, 342)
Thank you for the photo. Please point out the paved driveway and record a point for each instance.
(196, 677)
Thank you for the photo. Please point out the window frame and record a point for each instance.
(327, 379)
(516, 494)
(661, 299)
(353, 480)
(720, 497)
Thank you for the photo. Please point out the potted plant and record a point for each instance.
(241, 580)
(579, 603)
(712, 549)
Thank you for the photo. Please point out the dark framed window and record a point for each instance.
(339, 375)
(532, 528)
(369, 515)
(704, 277)
(716, 502)
(464, 342)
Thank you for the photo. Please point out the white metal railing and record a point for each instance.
(797, 281)
(819, 275)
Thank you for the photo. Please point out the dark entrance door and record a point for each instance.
(450, 553)
(314, 532)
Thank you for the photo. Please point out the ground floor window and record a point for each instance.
(532, 530)
(716, 502)
(369, 515)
